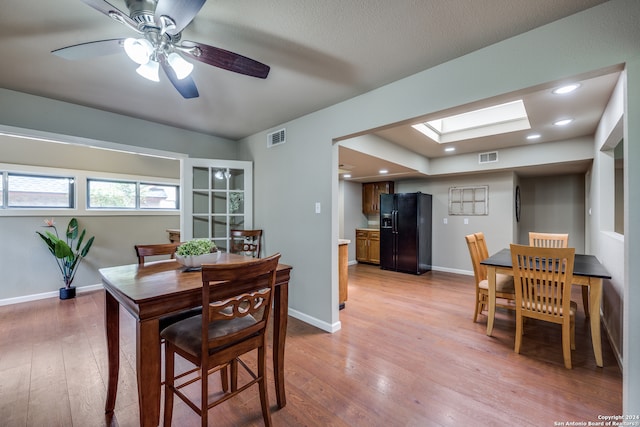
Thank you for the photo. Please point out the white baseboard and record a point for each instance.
(452, 270)
(52, 294)
(315, 322)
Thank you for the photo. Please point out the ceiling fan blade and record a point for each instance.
(90, 49)
(224, 59)
(186, 87)
(113, 12)
(181, 12)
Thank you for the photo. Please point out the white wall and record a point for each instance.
(597, 38)
(288, 185)
(450, 252)
(25, 114)
(352, 216)
(553, 204)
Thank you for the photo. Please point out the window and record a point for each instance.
(110, 194)
(37, 191)
(469, 200)
(27, 190)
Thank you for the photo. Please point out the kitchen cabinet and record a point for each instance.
(371, 192)
(368, 245)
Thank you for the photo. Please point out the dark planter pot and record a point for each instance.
(67, 293)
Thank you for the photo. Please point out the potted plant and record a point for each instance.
(194, 253)
(68, 252)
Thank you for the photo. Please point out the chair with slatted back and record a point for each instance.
(237, 300)
(155, 250)
(504, 283)
(542, 278)
(558, 240)
(548, 240)
(245, 242)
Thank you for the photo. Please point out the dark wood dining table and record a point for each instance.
(158, 289)
(587, 271)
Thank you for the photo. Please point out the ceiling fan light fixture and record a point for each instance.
(150, 71)
(182, 67)
(139, 50)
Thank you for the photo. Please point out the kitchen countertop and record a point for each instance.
(368, 229)
(343, 242)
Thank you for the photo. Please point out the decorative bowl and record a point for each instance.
(196, 261)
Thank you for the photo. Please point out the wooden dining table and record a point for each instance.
(158, 289)
(587, 271)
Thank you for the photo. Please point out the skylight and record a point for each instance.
(494, 120)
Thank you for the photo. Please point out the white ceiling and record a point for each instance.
(320, 53)
(585, 106)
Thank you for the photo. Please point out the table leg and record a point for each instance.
(280, 316)
(595, 295)
(148, 363)
(491, 276)
(112, 327)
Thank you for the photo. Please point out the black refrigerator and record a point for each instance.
(405, 232)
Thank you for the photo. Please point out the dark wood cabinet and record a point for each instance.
(371, 192)
(368, 246)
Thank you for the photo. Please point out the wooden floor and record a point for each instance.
(408, 354)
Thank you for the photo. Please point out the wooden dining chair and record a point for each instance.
(548, 240)
(504, 283)
(558, 240)
(237, 300)
(245, 242)
(543, 278)
(155, 250)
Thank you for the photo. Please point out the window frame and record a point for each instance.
(5, 189)
(81, 178)
(138, 194)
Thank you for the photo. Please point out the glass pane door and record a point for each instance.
(218, 198)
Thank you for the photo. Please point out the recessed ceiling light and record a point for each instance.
(449, 149)
(383, 171)
(534, 136)
(346, 175)
(566, 89)
(562, 122)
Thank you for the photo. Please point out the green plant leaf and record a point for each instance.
(86, 248)
(62, 250)
(72, 229)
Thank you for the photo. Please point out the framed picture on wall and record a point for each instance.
(469, 200)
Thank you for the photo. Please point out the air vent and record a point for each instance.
(488, 157)
(276, 138)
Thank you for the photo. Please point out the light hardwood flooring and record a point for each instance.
(408, 354)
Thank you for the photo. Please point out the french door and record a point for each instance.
(217, 197)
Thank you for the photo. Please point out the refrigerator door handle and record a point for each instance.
(394, 214)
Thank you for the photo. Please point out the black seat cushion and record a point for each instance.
(169, 320)
(187, 334)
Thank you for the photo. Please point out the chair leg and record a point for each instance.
(224, 378)
(481, 304)
(234, 375)
(168, 386)
(519, 321)
(204, 398)
(573, 333)
(566, 343)
(262, 385)
(585, 300)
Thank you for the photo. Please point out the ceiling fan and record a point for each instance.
(159, 24)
